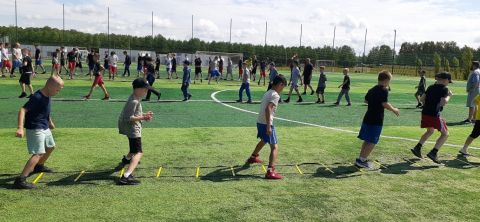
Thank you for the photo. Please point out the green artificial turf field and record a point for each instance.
(212, 140)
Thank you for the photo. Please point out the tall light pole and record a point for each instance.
(393, 54)
(364, 48)
(231, 21)
(301, 33)
(63, 23)
(151, 43)
(192, 27)
(108, 28)
(266, 29)
(334, 33)
(16, 23)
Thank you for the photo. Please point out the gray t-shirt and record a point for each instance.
(271, 96)
(322, 80)
(133, 107)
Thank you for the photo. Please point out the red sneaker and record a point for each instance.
(272, 175)
(254, 159)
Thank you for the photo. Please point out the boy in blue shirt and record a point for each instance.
(35, 117)
(186, 81)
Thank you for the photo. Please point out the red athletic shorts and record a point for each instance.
(112, 69)
(71, 65)
(262, 73)
(434, 122)
(7, 64)
(56, 66)
(98, 80)
(240, 71)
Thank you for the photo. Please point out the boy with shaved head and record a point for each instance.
(35, 117)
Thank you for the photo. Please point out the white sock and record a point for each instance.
(127, 157)
(362, 159)
(464, 149)
(126, 174)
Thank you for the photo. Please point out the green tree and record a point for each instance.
(455, 66)
(467, 57)
(437, 62)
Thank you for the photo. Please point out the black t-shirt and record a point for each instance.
(307, 71)
(434, 94)
(96, 68)
(38, 111)
(150, 69)
(220, 63)
(128, 60)
(90, 58)
(375, 97)
(140, 60)
(421, 84)
(174, 63)
(37, 54)
(71, 57)
(198, 62)
(346, 80)
(62, 56)
(28, 67)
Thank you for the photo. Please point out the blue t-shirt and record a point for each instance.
(186, 75)
(38, 111)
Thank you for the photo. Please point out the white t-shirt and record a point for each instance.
(112, 60)
(4, 54)
(246, 76)
(295, 76)
(18, 53)
(271, 96)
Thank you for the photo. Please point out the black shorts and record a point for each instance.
(174, 69)
(79, 65)
(307, 80)
(476, 130)
(198, 70)
(320, 90)
(25, 78)
(135, 145)
(254, 70)
(157, 68)
(62, 62)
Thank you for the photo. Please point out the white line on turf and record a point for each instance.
(213, 96)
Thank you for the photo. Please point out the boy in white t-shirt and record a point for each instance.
(294, 83)
(265, 129)
(112, 65)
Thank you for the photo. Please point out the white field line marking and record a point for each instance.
(124, 100)
(327, 127)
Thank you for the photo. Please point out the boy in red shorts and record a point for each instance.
(434, 99)
(112, 65)
(97, 72)
(72, 62)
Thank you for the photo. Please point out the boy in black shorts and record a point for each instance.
(475, 132)
(130, 125)
(377, 100)
(321, 86)
(26, 73)
(422, 85)
(307, 77)
(198, 69)
(434, 99)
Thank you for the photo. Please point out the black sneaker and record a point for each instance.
(300, 100)
(23, 95)
(21, 183)
(363, 164)
(128, 181)
(304, 93)
(312, 93)
(318, 101)
(287, 100)
(145, 100)
(462, 154)
(158, 97)
(125, 161)
(28, 97)
(184, 99)
(349, 104)
(238, 100)
(189, 97)
(417, 152)
(41, 168)
(433, 157)
(336, 104)
(249, 101)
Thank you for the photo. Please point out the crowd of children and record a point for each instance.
(34, 116)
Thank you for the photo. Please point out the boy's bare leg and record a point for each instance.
(45, 156)
(426, 135)
(273, 155)
(30, 88)
(441, 140)
(258, 148)
(104, 90)
(30, 165)
(367, 148)
(135, 158)
(467, 143)
(22, 85)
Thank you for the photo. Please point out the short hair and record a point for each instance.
(384, 75)
(125, 52)
(423, 71)
(476, 63)
(272, 64)
(279, 79)
(295, 63)
(322, 67)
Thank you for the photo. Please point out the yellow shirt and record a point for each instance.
(477, 102)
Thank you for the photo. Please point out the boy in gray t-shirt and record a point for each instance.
(321, 86)
(130, 125)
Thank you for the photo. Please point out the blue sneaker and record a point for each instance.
(363, 164)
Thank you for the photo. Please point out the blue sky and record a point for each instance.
(420, 20)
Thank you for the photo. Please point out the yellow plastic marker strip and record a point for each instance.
(159, 171)
(38, 177)
(381, 166)
(233, 171)
(79, 175)
(328, 169)
(198, 172)
(264, 169)
(122, 172)
(298, 169)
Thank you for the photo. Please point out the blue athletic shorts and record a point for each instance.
(38, 62)
(370, 133)
(262, 134)
(139, 67)
(215, 73)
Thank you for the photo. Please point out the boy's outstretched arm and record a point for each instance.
(268, 113)
(21, 120)
(389, 106)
